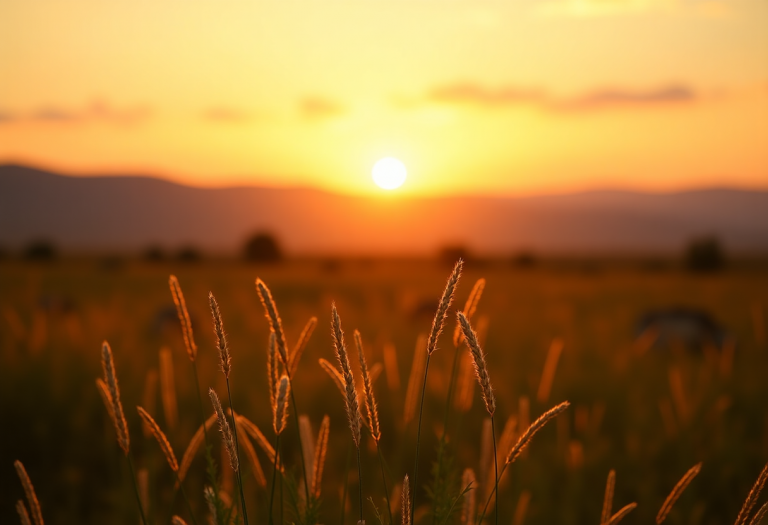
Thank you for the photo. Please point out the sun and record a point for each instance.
(389, 173)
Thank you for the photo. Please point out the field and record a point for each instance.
(648, 410)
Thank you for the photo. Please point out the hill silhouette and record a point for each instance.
(128, 213)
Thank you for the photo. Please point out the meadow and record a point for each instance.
(649, 410)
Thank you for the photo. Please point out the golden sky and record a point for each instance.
(478, 96)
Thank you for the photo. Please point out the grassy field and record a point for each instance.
(649, 411)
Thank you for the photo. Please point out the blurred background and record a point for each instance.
(603, 164)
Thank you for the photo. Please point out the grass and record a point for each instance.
(53, 319)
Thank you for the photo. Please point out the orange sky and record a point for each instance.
(481, 96)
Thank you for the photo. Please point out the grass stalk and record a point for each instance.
(495, 470)
(346, 484)
(301, 448)
(136, 490)
(237, 450)
(384, 480)
(274, 477)
(418, 439)
(360, 484)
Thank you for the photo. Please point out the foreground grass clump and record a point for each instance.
(241, 474)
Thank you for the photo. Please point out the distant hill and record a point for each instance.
(130, 213)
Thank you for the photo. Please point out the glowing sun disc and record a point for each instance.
(389, 173)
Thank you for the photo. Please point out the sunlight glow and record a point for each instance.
(389, 173)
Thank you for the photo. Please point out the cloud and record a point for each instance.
(227, 115)
(605, 98)
(97, 111)
(466, 93)
(320, 108)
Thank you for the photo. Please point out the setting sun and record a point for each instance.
(389, 173)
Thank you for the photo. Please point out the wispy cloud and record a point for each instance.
(317, 108)
(508, 96)
(97, 111)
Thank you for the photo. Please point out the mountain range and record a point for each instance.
(128, 213)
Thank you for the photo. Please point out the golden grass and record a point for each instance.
(280, 420)
(350, 392)
(321, 451)
(194, 445)
(405, 502)
(610, 486)
(165, 445)
(225, 360)
(481, 367)
(752, 497)
(116, 412)
(29, 490)
(226, 431)
(370, 398)
(677, 492)
(184, 319)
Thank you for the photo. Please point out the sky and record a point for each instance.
(499, 97)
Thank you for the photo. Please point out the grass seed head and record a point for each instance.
(677, 492)
(481, 367)
(21, 510)
(350, 393)
(225, 360)
(226, 431)
(29, 490)
(281, 414)
(370, 400)
(110, 378)
(276, 325)
(537, 425)
(165, 445)
(405, 503)
(186, 323)
(442, 309)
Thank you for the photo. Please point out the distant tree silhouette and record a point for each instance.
(189, 254)
(704, 255)
(262, 247)
(153, 254)
(452, 253)
(40, 250)
(524, 259)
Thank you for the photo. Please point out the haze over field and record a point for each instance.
(130, 213)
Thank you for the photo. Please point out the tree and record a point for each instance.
(262, 247)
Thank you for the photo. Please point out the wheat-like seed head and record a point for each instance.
(110, 378)
(405, 503)
(250, 452)
(168, 388)
(469, 309)
(370, 399)
(186, 323)
(353, 407)
(281, 414)
(176, 520)
(226, 431)
(225, 360)
(307, 441)
(676, 492)
(622, 513)
(481, 367)
(210, 500)
(749, 503)
(29, 490)
(193, 447)
(260, 438)
(273, 317)
(537, 425)
(757, 519)
(442, 308)
(321, 450)
(165, 446)
(301, 344)
(468, 509)
(21, 510)
(610, 485)
(106, 397)
(273, 372)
